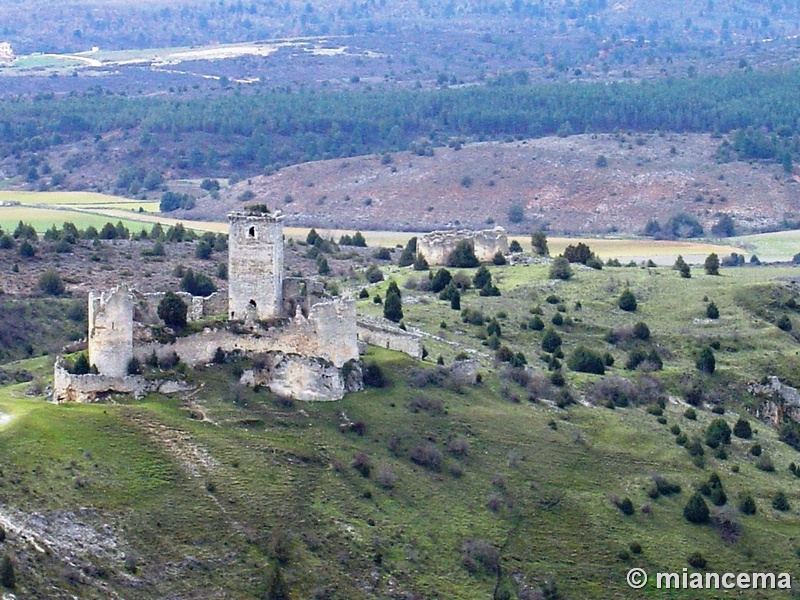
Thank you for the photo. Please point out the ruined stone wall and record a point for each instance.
(390, 337)
(328, 333)
(255, 266)
(198, 307)
(111, 331)
(437, 246)
(91, 387)
(87, 388)
(300, 293)
(332, 325)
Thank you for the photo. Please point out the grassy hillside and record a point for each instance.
(429, 487)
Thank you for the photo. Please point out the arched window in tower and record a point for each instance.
(252, 232)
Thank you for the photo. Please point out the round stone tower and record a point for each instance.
(255, 264)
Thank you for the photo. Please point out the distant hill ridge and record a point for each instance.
(560, 183)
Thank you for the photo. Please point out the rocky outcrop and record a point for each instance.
(778, 402)
(302, 377)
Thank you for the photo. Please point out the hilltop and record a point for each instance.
(556, 181)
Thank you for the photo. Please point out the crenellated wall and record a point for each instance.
(437, 246)
(111, 331)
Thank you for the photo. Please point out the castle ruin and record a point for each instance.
(305, 342)
(437, 246)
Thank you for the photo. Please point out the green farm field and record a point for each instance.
(98, 208)
(83, 199)
(43, 219)
(780, 245)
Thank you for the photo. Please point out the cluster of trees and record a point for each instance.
(681, 225)
(174, 200)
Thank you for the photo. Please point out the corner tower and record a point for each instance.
(255, 264)
(111, 331)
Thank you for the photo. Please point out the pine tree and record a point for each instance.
(455, 300)
(705, 361)
(627, 301)
(682, 267)
(463, 256)
(560, 269)
(742, 429)
(408, 253)
(539, 243)
(747, 505)
(696, 510)
(482, 277)
(172, 310)
(551, 341)
(420, 264)
(81, 366)
(440, 280)
(712, 264)
(393, 307)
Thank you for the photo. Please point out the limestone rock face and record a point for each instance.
(778, 402)
(303, 378)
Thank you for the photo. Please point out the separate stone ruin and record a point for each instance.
(437, 246)
(303, 343)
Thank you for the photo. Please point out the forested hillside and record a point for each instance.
(46, 137)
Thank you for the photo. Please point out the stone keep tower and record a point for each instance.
(255, 264)
(111, 331)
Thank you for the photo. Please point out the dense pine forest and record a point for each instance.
(263, 131)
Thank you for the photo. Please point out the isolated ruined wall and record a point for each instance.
(111, 331)
(489, 242)
(437, 246)
(390, 337)
(255, 266)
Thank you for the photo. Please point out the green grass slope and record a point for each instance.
(425, 488)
